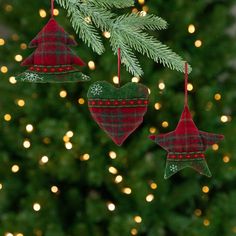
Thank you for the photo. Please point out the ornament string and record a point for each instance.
(52, 8)
(119, 62)
(186, 85)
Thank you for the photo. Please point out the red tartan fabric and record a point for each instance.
(118, 122)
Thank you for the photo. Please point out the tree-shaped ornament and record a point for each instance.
(118, 110)
(186, 144)
(53, 61)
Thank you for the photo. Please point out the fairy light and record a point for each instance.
(7, 117)
(4, 69)
(113, 170)
(2, 41)
(23, 46)
(115, 80)
(1, 186)
(135, 79)
(87, 19)
(165, 124)
(224, 119)
(198, 43)
(85, 157)
(68, 145)
(26, 144)
(8, 8)
(198, 212)
(15, 37)
(189, 87)
(20, 102)
(54, 189)
(63, 93)
(37, 207)
(107, 34)
(8, 234)
(215, 147)
(157, 106)
(112, 155)
(46, 140)
(217, 97)
(145, 8)
(143, 13)
(81, 101)
(149, 91)
(12, 80)
(70, 134)
(234, 229)
(141, 2)
(153, 186)
(127, 190)
(191, 29)
(205, 189)
(226, 159)
(42, 13)
(138, 219)
(15, 168)
(134, 231)
(91, 65)
(18, 58)
(161, 86)
(44, 160)
(118, 179)
(111, 206)
(29, 128)
(56, 12)
(149, 197)
(206, 222)
(19, 234)
(152, 130)
(66, 139)
(134, 10)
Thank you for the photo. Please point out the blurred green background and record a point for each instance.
(60, 174)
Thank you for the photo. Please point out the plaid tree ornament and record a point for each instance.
(186, 144)
(52, 61)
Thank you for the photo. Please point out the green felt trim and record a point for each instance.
(105, 90)
(35, 77)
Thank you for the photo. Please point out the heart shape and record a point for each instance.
(118, 111)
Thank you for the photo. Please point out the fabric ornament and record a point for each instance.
(118, 111)
(53, 61)
(186, 144)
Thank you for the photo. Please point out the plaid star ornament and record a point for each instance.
(186, 144)
(52, 61)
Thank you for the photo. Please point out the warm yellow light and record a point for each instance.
(19, 234)
(189, 87)
(63, 94)
(161, 86)
(134, 231)
(215, 147)
(15, 168)
(1, 186)
(23, 46)
(91, 65)
(70, 134)
(18, 58)
(198, 212)
(143, 13)
(217, 96)
(66, 139)
(46, 140)
(15, 37)
(149, 91)
(205, 189)
(153, 186)
(8, 234)
(118, 179)
(107, 34)
(68, 145)
(113, 170)
(152, 130)
(135, 79)
(20, 102)
(81, 101)
(157, 106)
(134, 10)
(87, 19)
(29, 128)
(8, 8)
(4, 69)
(26, 144)
(138, 219)
(44, 160)
(165, 124)
(127, 191)
(198, 43)
(85, 157)
(7, 117)
(191, 29)
(42, 13)
(36, 207)
(12, 80)
(112, 155)
(115, 80)
(149, 197)
(234, 229)
(2, 42)
(56, 12)
(224, 119)
(145, 8)
(226, 159)
(111, 206)
(206, 222)
(54, 189)
(141, 2)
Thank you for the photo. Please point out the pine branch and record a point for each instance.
(113, 3)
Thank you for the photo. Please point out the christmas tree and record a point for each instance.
(60, 175)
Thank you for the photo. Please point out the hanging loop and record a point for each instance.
(186, 84)
(119, 62)
(52, 8)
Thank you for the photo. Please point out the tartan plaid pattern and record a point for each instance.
(186, 143)
(118, 111)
